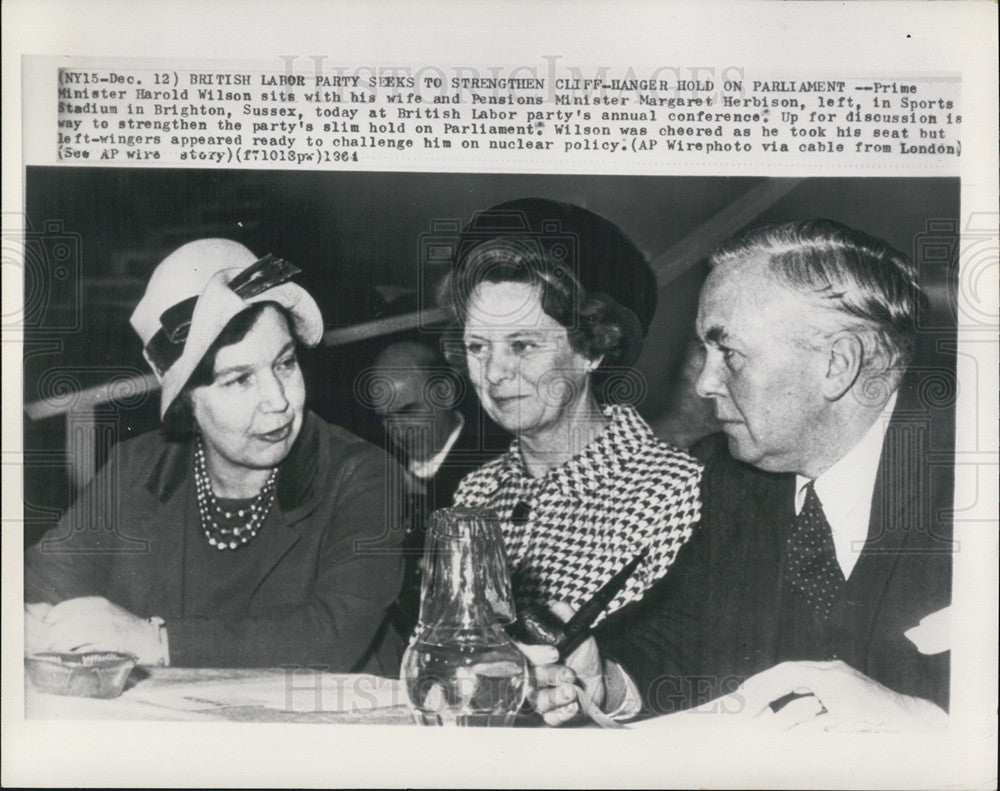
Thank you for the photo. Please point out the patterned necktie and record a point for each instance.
(811, 565)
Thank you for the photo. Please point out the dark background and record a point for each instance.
(362, 240)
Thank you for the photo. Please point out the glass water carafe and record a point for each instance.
(461, 668)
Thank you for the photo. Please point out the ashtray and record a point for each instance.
(94, 674)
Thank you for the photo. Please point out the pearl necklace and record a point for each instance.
(209, 509)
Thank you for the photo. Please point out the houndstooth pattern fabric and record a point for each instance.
(588, 517)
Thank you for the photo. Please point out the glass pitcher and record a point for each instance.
(461, 668)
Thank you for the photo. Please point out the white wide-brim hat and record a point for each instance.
(201, 273)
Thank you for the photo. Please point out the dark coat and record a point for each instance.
(470, 451)
(327, 555)
(717, 617)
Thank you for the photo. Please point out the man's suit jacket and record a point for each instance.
(717, 617)
(471, 450)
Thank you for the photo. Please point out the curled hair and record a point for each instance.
(845, 271)
(179, 419)
(596, 324)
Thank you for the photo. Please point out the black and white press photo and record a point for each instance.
(264, 386)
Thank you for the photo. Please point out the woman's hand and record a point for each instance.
(92, 623)
(556, 686)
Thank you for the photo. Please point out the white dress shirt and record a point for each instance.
(845, 491)
(429, 468)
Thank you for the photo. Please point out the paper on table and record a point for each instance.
(291, 692)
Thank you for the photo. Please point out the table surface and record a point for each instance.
(305, 695)
(237, 694)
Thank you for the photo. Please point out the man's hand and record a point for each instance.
(835, 697)
(92, 623)
(556, 685)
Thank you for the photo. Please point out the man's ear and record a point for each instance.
(846, 358)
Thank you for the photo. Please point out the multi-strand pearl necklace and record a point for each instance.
(210, 511)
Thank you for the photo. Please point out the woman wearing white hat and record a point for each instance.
(249, 532)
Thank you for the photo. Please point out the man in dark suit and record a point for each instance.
(418, 410)
(416, 394)
(817, 588)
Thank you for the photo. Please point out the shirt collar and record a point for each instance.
(845, 490)
(599, 461)
(428, 469)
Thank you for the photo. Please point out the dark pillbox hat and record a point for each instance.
(597, 251)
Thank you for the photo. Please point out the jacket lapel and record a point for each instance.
(774, 501)
(165, 505)
(899, 518)
(752, 527)
(296, 499)
(276, 538)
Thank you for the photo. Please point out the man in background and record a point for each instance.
(417, 396)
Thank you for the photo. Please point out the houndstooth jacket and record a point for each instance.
(624, 491)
